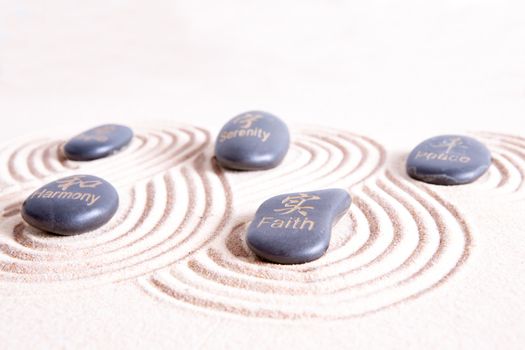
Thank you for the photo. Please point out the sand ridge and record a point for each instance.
(179, 232)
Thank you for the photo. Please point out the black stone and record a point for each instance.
(295, 228)
(252, 141)
(98, 142)
(71, 205)
(448, 160)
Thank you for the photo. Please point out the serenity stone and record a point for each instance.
(296, 228)
(448, 160)
(252, 141)
(98, 142)
(71, 205)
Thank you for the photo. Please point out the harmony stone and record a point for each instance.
(71, 205)
(448, 160)
(252, 141)
(296, 228)
(98, 142)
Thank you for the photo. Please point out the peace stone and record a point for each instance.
(98, 142)
(295, 228)
(252, 141)
(71, 205)
(448, 160)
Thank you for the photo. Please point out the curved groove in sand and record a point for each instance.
(508, 161)
(33, 256)
(232, 280)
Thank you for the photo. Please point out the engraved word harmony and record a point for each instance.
(71, 182)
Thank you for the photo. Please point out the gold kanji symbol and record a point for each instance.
(77, 180)
(98, 134)
(296, 204)
(247, 120)
(450, 144)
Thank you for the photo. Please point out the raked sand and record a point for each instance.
(410, 266)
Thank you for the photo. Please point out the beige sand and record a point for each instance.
(411, 265)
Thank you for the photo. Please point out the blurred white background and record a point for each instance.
(368, 66)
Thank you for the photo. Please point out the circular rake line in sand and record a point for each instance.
(508, 153)
(151, 152)
(324, 157)
(32, 256)
(30, 265)
(230, 279)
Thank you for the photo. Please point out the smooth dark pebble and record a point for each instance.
(448, 160)
(254, 140)
(295, 228)
(71, 205)
(98, 142)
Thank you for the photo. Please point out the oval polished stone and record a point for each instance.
(448, 160)
(98, 142)
(71, 205)
(295, 228)
(252, 141)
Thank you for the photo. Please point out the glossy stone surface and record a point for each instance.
(252, 141)
(71, 205)
(295, 228)
(448, 160)
(98, 142)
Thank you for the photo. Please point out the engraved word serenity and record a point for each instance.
(292, 204)
(65, 184)
(246, 122)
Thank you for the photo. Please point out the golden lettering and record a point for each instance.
(89, 198)
(246, 120)
(257, 132)
(77, 180)
(277, 223)
(98, 134)
(295, 203)
(442, 156)
(450, 144)
(295, 223)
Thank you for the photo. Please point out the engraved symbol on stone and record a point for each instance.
(450, 144)
(99, 134)
(77, 180)
(296, 204)
(247, 120)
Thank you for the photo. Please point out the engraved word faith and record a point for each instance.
(293, 204)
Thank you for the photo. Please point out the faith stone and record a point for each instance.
(295, 228)
(252, 141)
(448, 160)
(71, 205)
(98, 142)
